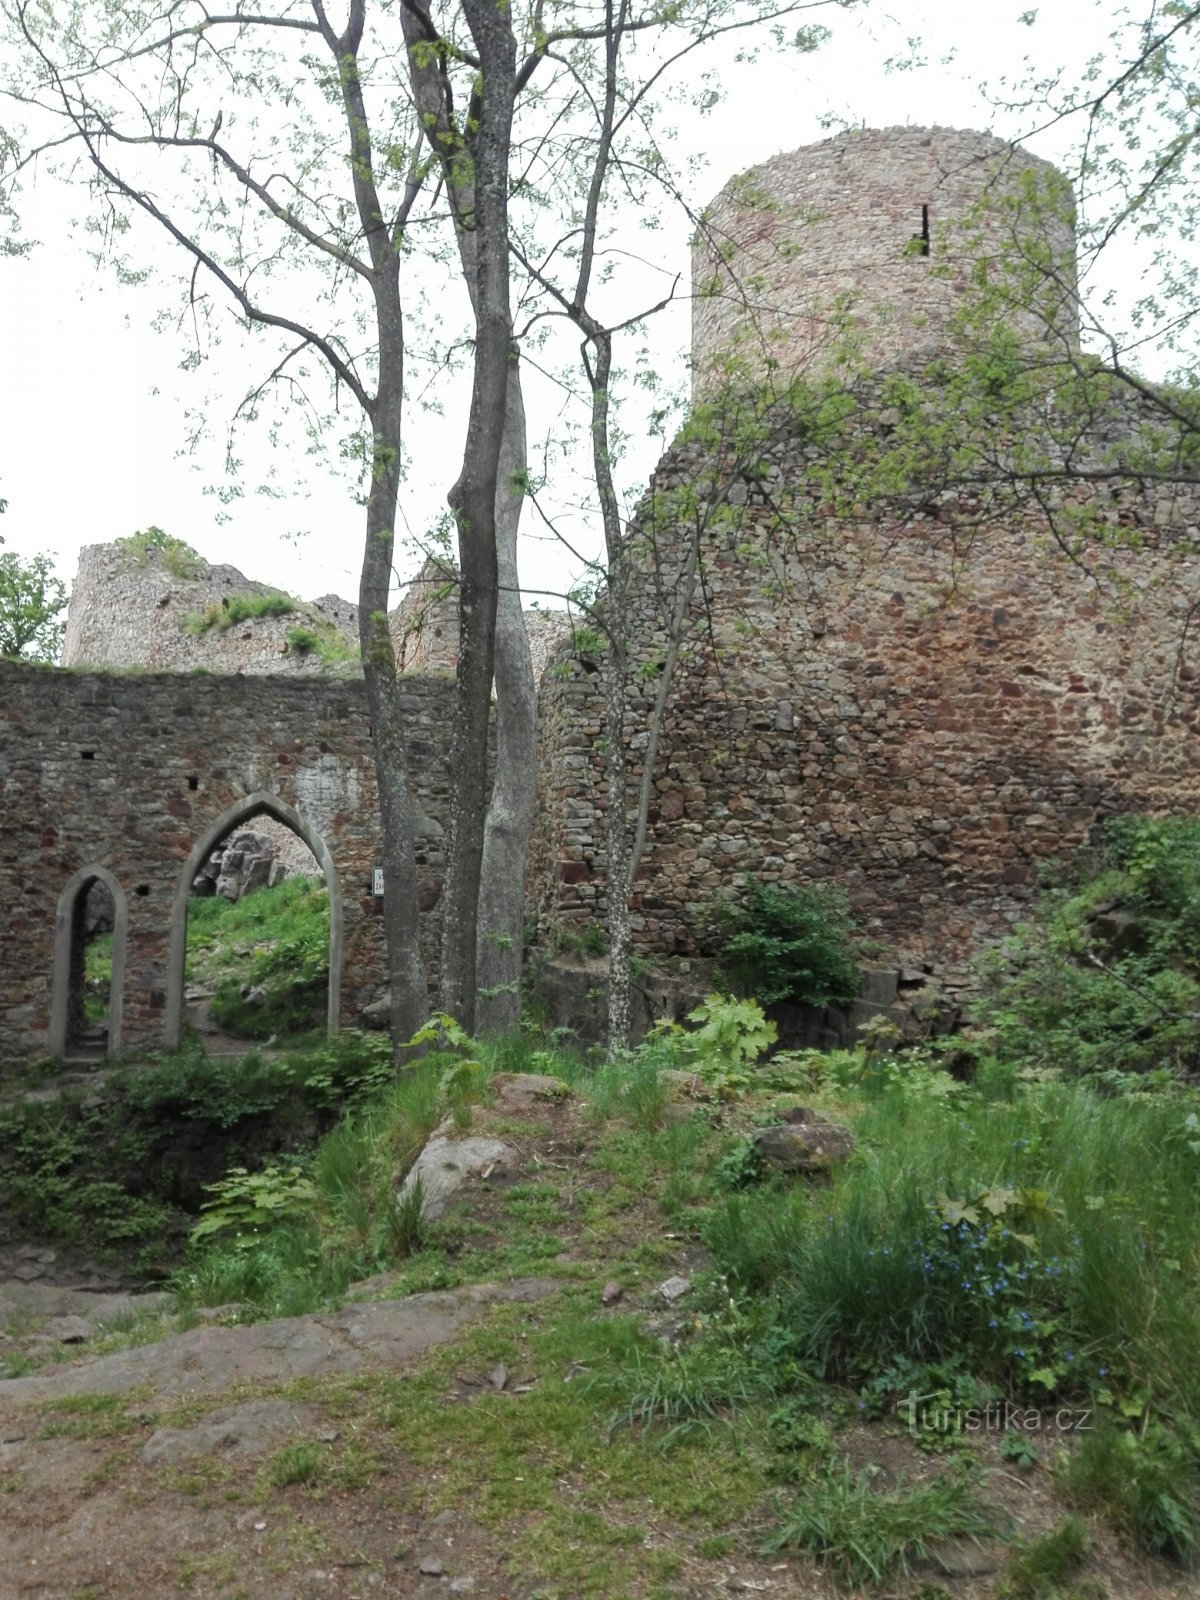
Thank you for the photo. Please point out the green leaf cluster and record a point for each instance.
(31, 600)
(790, 942)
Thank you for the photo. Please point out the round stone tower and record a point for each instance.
(861, 252)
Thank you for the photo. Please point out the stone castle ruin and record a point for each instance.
(919, 699)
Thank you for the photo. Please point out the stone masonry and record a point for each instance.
(862, 249)
(919, 703)
(130, 775)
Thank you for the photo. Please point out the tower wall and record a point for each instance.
(862, 251)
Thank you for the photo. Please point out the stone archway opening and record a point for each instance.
(256, 933)
(89, 967)
(256, 971)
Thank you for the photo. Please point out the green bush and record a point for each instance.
(1105, 979)
(790, 943)
(322, 640)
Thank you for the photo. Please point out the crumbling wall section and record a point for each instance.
(131, 610)
(127, 772)
(921, 710)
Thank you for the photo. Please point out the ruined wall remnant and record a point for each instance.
(424, 626)
(124, 776)
(131, 610)
(919, 717)
(857, 252)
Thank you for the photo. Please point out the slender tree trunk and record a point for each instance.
(473, 501)
(408, 988)
(510, 813)
(401, 918)
(618, 866)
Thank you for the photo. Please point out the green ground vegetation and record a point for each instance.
(274, 941)
(235, 608)
(1105, 979)
(1024, 1234)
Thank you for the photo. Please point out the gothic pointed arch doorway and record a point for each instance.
(89, 899)
(238, 815)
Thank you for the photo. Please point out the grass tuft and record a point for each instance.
(863, 1535)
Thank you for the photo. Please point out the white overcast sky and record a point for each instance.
(93, 401)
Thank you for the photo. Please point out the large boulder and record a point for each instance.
(809, 1146)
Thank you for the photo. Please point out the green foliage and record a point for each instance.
(731, 1036)
(291, 1237)
(740, 1166)
(1105, 979)
(94, 1172)
(1147, 1482)
(246, 1204)
(274, 941)
(1038, 1570)
(688, 1390)
(152, 545)
(1042, 1244)
(790, 943)
(302, 1461)
(222, 614)
(323, 640)
(97, 977)
(863, 1535)
(31, 598)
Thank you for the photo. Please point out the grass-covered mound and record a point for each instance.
(265, 959)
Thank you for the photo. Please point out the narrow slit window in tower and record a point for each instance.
(920, 241)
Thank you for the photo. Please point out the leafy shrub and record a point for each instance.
(322, 640)
(790, 943)
(247, 1204)
(1105, 979)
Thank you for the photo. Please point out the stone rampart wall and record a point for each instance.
(919, 710)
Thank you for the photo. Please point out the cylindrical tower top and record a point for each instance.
(860, 251)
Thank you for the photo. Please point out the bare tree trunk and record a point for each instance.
(473, 500)
(408, 987)
(618, 866)
(510, 814)
(619, 885)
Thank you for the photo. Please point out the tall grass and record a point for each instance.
(354, 1224)
(1050, 1238)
